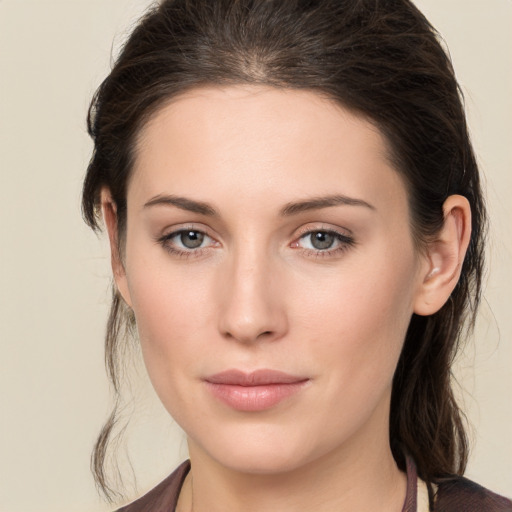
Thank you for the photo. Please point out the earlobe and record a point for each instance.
(444, 258)
(109, 212)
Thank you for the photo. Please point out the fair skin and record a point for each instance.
(267, 229)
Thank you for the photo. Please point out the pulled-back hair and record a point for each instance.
(382, 60)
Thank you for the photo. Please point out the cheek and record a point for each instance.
(165, 296)
(167, 315)
(172, 313)
(360, 318)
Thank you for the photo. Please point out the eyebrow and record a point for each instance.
(293, 208)
(183, 203)
(317, 203)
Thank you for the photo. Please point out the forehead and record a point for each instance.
(261, 142)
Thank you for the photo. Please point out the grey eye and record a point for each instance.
(191, 239)
(322, 239)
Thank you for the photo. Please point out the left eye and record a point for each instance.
(322, 240)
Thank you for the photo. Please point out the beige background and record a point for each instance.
(54, 274)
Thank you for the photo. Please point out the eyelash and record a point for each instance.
(344, 242)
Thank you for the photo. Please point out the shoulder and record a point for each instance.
(164, 496)
(458, 494)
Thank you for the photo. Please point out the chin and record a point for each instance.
(258, 462)
(260, 449)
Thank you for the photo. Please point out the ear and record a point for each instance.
(109, 211)
(444, 258)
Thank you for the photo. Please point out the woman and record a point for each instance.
(296, 227)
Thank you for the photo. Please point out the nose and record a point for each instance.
(252, 305)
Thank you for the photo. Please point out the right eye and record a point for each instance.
(186, 241)
(189, 239)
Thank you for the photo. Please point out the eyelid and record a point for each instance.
(311, 228)
(173, 230)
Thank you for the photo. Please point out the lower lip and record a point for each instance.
(254, 398)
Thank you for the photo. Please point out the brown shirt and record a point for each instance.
(454, 494)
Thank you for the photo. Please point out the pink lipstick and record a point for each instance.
(255, 391)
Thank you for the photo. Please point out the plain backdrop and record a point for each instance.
(55, 276)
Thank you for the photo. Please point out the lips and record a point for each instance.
(256, 391)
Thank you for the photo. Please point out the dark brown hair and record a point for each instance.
(379, 58)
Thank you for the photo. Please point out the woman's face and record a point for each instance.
(271, 269)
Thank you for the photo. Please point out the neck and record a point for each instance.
(362, 477)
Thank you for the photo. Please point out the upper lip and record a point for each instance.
(256, 378)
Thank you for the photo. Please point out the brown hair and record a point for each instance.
(383, 60)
